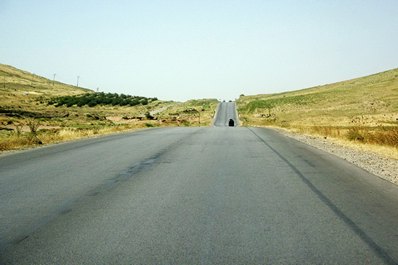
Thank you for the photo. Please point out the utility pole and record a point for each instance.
(77, 83)
(54, 78)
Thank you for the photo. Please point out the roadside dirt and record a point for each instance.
(383, 167)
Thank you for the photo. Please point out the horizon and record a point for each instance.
(185, 50)
(220, 99)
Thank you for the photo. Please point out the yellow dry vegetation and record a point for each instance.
(361, 111)
(24, 102)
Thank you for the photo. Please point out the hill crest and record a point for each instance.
(17, 80)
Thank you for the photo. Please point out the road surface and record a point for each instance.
(216, 195)
(225, 112)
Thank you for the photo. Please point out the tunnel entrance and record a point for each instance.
(231, 123)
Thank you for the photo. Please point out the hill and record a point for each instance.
(21, 90)
(35, 110)
(23, 82)
(363, 109)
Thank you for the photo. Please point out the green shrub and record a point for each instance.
(94, 99)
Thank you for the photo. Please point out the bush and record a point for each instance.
(33, 126)
(94, 99)
(354, 134)
(387, 136)
(384, 136)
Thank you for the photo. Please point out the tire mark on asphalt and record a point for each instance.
(379, 251)
(67, 206)
(139, 167)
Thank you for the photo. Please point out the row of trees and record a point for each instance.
(94, 99)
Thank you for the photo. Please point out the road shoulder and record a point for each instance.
(383, 167)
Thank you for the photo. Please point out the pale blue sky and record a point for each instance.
(184, 49)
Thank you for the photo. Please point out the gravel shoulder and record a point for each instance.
(383, 167)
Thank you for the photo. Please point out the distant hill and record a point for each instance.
(13, 79)
(35, 110)
(362, 110)
(365, 101)
(21, 89)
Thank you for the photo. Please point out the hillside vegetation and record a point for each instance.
(22, 82)
(95, 99)
(35, 110)
(364, 110)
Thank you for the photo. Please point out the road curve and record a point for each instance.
(193, 196)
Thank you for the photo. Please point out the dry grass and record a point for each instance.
(381, 141)
(18, 82)
(191, 113)
(26, 119)
(14, 141)
(363, 110)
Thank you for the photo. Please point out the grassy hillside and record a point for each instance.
(35, 110)
(363, 109)
(20, 89)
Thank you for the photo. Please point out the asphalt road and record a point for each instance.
(225, 112)
(216, 195)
